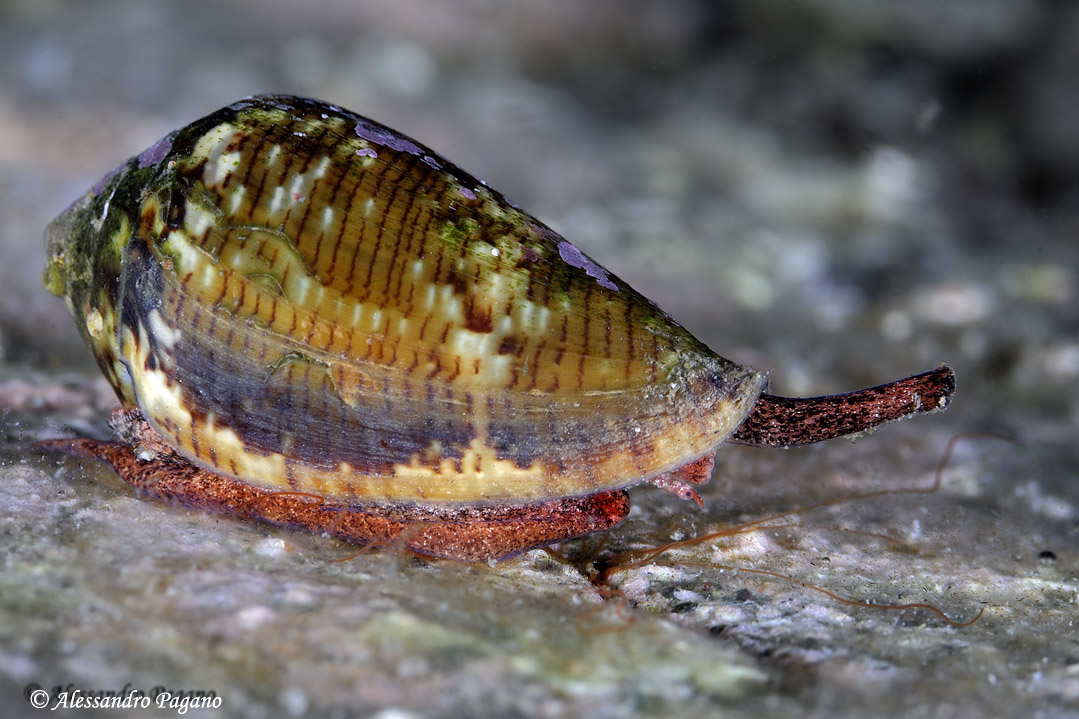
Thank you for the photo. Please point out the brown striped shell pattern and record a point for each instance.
(316, 321)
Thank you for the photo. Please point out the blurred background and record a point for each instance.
(839, 191)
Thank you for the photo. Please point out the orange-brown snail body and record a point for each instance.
(315, 321)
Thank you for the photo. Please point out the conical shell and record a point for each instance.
(304, 299)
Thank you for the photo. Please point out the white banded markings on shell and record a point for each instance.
(429, 342)
(148, 350)
(164, 399)
(489, 324)
(272, 257)
(221, 152)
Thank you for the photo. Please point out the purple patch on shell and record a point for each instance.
(100, 184)
(366, 152)
(384, 136)
(466, 193)
(575, 258)
(156, 152)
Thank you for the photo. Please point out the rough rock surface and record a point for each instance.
(841, 192)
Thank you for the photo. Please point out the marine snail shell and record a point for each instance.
(300, 300)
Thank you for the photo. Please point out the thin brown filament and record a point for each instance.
(362, 550)
(650, 556)
(855, 602)
(400, 542)
(807, 585)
